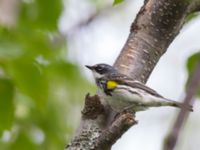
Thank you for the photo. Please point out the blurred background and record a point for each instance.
(44, 46)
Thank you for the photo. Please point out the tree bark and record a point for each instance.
(155, 27)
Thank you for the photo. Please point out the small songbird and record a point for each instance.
(122, 92)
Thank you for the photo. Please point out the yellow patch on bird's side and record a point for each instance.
(111, 85)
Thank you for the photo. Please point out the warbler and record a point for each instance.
(122, 92)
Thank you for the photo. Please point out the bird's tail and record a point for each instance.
(179, 105)
(167, 102)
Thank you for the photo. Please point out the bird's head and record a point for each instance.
(100, 70)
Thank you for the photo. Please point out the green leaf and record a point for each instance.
(6, 104)
(117, 2)
(9, 47)
(191, 65)
(40, 14)
(191, 16)
(29, 77)
(15, 43)
(192, 62)
(23, 142)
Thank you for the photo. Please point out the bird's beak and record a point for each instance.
(89, 67)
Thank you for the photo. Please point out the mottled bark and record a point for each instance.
(113, 132)
(155, 27)
(91, 125)
(90, 134)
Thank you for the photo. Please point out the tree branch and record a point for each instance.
(155, 27)
(191, 91)
(90, 127)
(93, 16)
(91, 137)
(115, 131)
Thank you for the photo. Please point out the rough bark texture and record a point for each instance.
(113, 132)
(91, 125)
(155, 27)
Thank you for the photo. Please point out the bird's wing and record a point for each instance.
(145, 88)
(125, 80)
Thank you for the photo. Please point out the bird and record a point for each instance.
(123, 93)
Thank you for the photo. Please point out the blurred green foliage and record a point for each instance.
(192, 16)
(191, 66)
(115, 2)
(6, 104)
(40, 90)
(40, 14)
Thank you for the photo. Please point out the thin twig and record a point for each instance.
(191, 91)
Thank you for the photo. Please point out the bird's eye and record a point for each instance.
(99, 68)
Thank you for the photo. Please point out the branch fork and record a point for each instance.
(100, 139)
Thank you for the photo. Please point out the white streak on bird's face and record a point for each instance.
(96, 74)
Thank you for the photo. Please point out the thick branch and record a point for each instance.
(155, 27)
(115, 131)
(183, 114)
(91, 136)
(90, 127)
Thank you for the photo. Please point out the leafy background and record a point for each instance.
(40, 90)
(42, 87)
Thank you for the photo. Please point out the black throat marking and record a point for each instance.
(102, 83)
